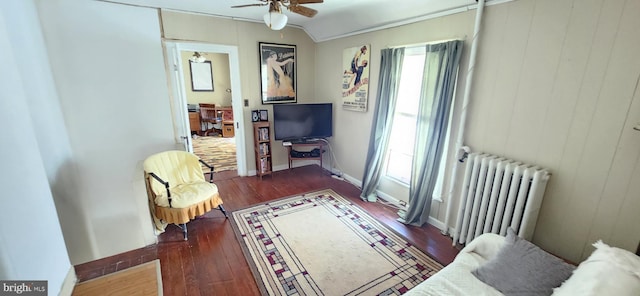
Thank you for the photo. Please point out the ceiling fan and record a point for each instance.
(275, 19)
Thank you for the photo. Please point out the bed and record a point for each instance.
(456, 278)
(495, 265)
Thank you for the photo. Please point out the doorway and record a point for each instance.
(230, 99)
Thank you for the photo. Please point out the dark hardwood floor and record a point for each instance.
(211, 261)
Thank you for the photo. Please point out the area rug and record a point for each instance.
(217, 151)
(319, 243)
(144, 279)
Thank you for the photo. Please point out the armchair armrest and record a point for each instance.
(166, 185)
(210, 167)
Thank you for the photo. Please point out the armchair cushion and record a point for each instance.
(185, 195)
(191, 195)
(175, 167)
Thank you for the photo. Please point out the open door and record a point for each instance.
(181, 127)
(179, 97)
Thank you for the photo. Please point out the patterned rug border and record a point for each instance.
(247, 254)
(245, 250)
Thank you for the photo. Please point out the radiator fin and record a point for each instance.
(499, 193)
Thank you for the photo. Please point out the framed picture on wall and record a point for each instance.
(264, 115)
(355, 78)
(201, 76)
(277, 73)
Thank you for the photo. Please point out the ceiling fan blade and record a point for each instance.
(249, 5)
(306, 11)
(306, 1)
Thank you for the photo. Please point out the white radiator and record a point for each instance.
(499, 193)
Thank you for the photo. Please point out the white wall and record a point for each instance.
(556, 85)
(31, 241)
(50, 131)
(109, 71)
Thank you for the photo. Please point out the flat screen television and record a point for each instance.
(302, 122)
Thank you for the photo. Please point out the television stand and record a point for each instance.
(305, 154)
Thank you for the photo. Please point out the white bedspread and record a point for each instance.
(456, 278)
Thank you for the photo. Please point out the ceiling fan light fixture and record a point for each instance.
(197, 58)
(275, 20)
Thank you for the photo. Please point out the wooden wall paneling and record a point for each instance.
(607, 121)
(625, 234)
(607, 220)
(482, 100)
(617, 197)
(628, 218)
(542, 55)
(565, 97)
(511, 53)
(600, 50)
(574, 55)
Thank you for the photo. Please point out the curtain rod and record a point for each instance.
(426, 43)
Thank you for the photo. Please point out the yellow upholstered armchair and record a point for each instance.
(177, 189)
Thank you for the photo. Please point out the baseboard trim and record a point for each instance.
(391, 199)
(433, 221)
(69, 282)
(352, 180)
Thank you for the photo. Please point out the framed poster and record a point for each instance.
(201, 76)
(277, 73)
(355, 78)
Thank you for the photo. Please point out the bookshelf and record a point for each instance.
(262, 148)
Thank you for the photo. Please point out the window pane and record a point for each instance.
(399, 166)
(410, 84)
(400, 153)
(403, 133)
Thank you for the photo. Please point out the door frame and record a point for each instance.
(179, 94)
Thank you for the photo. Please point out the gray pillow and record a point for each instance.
(521, 268)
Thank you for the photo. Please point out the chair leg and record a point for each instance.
(184, 230)
(221, 208)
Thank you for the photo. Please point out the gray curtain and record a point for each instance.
(390, 69)
(438, 86)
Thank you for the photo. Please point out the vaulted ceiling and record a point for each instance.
(335, 18)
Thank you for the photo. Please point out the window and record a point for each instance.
(400, 151)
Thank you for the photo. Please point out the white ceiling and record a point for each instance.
(335, 18)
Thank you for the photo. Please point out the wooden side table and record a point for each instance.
(306, 153)
(194, 123)
(227, 130)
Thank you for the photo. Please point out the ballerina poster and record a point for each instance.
(278, 73)
(355, 78)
